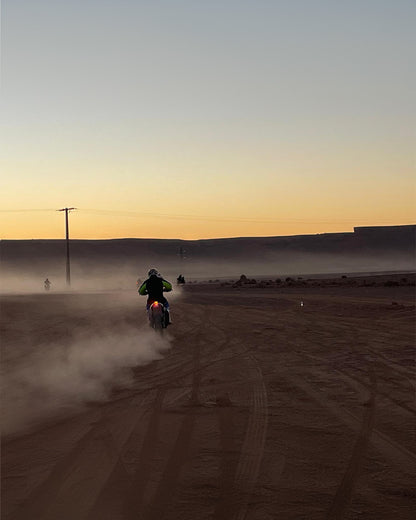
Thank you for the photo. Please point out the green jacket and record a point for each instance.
(155, 287)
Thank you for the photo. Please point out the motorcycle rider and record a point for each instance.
(154, 287)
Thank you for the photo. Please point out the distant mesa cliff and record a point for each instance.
(379, 247)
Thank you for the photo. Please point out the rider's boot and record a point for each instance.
(168, 319)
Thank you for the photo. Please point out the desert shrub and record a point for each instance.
(344, 276)
(278, 280)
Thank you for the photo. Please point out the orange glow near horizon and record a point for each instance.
(304, 197)
(24, 226)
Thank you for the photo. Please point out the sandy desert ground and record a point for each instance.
(252, 406)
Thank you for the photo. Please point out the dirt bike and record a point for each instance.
(157, 316)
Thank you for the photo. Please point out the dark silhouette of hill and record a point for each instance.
(367, 248)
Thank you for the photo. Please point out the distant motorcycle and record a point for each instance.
(157, 316)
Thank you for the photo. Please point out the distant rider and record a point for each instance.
(154, 287)
(47, 284)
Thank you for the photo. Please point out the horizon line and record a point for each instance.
(220, 238)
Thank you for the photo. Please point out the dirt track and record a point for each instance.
(261, 409)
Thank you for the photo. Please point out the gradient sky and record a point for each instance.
(201, 119)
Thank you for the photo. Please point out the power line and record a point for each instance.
(211, 218)
(24, 210)
(218, 218)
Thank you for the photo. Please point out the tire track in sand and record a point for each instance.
(74, 482)
(131, 502)
(127, 499)
(358, 384)
(235, 498)
(135, 502)
(169, 481)
(228, 500)
(404, 459)
(344, 492)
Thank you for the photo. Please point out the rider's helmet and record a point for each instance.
(153, 272)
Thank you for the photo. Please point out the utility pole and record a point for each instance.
(68, 264)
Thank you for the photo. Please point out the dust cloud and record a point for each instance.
(62, 351)
(121, 276)
(116, 276)
(52, 380)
